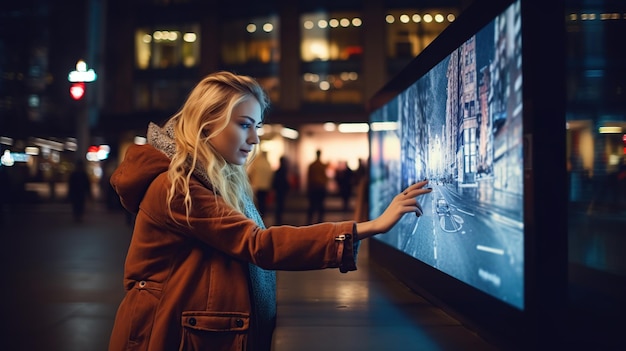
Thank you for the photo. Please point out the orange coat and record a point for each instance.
(188, 288)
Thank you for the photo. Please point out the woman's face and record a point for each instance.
(236, 141)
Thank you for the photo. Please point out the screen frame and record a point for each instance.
(543, 318)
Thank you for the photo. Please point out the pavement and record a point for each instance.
(63, 283)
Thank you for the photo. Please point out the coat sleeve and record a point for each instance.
(219, 226)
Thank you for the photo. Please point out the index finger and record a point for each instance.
(421, 186)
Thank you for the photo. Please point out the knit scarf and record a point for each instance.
(262, 282)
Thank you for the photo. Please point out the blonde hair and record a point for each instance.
(205, 113)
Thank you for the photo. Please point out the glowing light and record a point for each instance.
(7, 159)
(189, 37)
(289, 133)
(31, 150)
(77, 90)
(383, 126)
(46, 144)
(6, 140)
(81, 74)
(353, 128)
(330, 126)
(610, 130)
(71, 145)
(98, 153)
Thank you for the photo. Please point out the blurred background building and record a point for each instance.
(319, 61)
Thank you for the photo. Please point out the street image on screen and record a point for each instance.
(460, 126)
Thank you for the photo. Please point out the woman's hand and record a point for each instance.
(401, 204)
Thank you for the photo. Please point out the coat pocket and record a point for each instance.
(205, 330)
(135, 316)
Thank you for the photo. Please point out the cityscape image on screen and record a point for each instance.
(460, 125)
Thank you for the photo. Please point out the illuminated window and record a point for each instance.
(331, 36)
(336, 38)
(410, 31)
(249, 41)
(342, 88)
(167, 48)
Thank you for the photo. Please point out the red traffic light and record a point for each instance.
(77, 90)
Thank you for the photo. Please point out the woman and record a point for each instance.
(199, 273)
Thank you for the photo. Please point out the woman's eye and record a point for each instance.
(246, 125)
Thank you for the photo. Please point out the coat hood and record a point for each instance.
(141, 165)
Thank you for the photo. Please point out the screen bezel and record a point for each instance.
(545, 202)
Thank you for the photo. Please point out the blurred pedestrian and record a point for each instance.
(280, 185)
(362, 198)
(260, 173)
(344, 177)
(317, 180)
(79, 190)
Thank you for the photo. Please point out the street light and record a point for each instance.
(79, 78)
(81, 74)
(77, 90)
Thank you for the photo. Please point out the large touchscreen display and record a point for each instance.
(460, 126)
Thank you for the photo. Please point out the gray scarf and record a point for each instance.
(262, 282)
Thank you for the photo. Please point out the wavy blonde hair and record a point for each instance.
(204, 115)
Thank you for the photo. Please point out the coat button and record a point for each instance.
(239, 323)
(192, 321)
(142, 284)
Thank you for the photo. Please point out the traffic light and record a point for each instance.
(77, 90)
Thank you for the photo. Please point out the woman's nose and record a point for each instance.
(253, 138)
